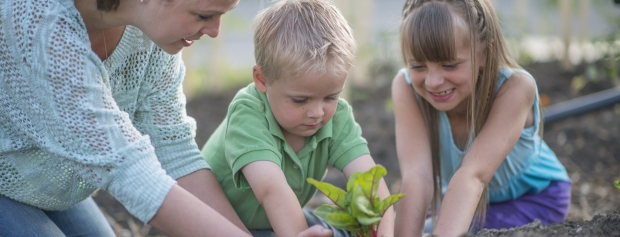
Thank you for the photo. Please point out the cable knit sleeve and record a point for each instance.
(56, 96)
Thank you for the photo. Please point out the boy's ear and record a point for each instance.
(259, 80)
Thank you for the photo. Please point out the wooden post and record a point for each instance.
(522, 16)
(343, 6)
(362, 19)
(584, 19)
(359, 15)
(565, 13)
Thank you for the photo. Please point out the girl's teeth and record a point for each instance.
(442, 93)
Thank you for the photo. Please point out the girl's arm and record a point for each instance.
(182, 214)
(498, 136)
(269, 184)
(414, 157)
(363, 164)
(204, 186)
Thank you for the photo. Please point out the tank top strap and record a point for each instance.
(406, 73)
(504, 74)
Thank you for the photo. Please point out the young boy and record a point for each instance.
(290, 123)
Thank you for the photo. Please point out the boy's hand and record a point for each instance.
(315, 231)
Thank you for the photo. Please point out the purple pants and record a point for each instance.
(549, 206)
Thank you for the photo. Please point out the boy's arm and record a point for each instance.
(365, 163)
(276, 196)
(203, 184)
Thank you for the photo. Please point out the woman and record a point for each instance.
(91, 94)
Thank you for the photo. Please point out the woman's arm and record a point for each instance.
(363, 164)
(498, 136)
(414, 157)
(204, 186)
(276, 196)
(182, 214)
(162, 116)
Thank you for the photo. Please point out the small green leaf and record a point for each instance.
(358, 210)
(336, 194)
(368, 220)
(376, 173)
(352, 181)
(353, 207)
(617, 184)
(577, 83)
(362, 207)
(326, 209)
(369, 180)
(376, 204)
(342, 220)
(389, 201)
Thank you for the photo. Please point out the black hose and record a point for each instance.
(581, 104)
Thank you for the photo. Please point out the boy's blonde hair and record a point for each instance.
(294, 37)
(429, 32)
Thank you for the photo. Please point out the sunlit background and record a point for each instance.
(567, 31)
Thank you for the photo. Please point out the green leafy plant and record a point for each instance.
(359, 209)
(617, 184)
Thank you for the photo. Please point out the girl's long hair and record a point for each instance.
(429, 34)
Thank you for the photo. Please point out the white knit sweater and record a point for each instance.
(70, 125)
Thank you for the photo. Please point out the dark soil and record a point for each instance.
(600, 225)
(587, 144)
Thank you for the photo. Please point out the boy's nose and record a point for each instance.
(316, 111)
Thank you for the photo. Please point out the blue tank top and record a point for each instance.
(529, 167)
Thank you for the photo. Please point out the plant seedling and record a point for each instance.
(617, 184)
(359, 209)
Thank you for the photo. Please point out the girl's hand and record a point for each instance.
(315, 231)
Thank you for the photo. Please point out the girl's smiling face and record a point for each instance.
(447, 86)
(175, 24)
(444, 75)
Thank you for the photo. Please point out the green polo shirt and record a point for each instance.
(251, 133)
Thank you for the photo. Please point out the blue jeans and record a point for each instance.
(83, 219)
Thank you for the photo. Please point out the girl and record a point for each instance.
(468, 127)
(91, 99)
